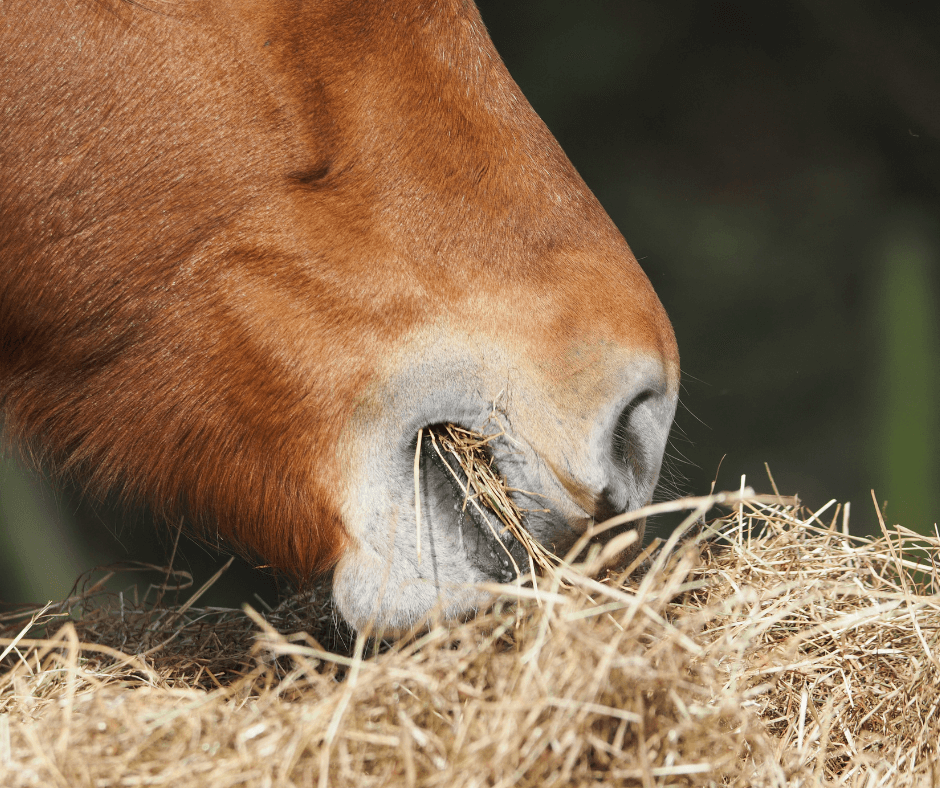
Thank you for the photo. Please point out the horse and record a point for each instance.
(251, 249)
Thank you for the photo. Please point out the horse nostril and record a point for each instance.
(635, 440)
(630, 449)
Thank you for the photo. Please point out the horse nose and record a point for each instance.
(620, 464)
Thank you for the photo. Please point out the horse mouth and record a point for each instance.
(453, 509)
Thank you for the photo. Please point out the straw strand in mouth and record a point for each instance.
(486, 488)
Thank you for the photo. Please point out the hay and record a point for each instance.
(770, 648)
(485, 490)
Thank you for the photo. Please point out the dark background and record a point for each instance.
(776, 169)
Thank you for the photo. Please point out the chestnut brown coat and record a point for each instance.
(249, 247)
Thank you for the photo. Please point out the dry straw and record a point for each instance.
(485, 490)
(766, 648)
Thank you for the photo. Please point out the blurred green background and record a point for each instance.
(776, 169)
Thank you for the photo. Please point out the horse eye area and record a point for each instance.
(457, 478)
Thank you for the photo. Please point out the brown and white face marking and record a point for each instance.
(248, 249)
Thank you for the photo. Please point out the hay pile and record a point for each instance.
(768, 649)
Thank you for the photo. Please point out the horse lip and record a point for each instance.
(506, 551)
